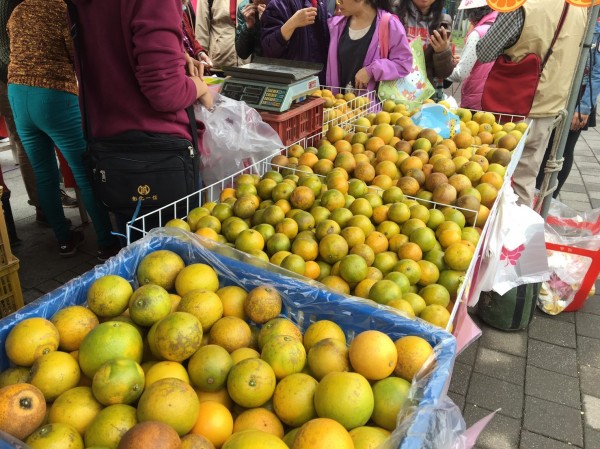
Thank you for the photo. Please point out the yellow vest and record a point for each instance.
(541, 20)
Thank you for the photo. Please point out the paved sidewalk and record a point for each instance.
(545, 379)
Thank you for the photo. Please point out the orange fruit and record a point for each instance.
(263, 304)
(73, 324)
(164, 370)
(320, 330)
(109, 296)
(429, 272)
(373, 354)
(232, 298)
(214, 422)
(285, 354)
(148, 434)
(221, 396)
(172, 402)
(108, 341)
(327, 356)
(312, 270)
(76, 407)
(390, 395)
(435, 294)
(244, 353)
(177, 336)
(384, 291)
(413, 352)
(346, 397)
(251, 382)
(118, 381)
(363, 288)
(196, 276)
(367, 437)
(16, 375)
(57, 435)
(22, 409)
(458, 256)
(336, 284)
(293, 399)
(278, 327)
(205, 305)
(193, 441)
(161, 268)
(410, 250)
(255, 439)
(231, 333)
(333, 248)
(437, 315)
(322, 433)
(258, 419)
(149, 304)
(208, 368)
(377, 241)
(109, 426)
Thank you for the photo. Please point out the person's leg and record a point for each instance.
(528, 167)
(40, 151)
(24, 165)
(569, 156)
(63, 126)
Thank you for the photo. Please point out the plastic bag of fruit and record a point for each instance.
(514, 253)
(235, 137)
(568, 227)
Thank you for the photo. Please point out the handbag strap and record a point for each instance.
(75, 30)
(384, 35)
(561, 22)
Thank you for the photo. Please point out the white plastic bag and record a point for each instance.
(235, 137)
(515, 253)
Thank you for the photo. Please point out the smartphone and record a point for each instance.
(445, 25)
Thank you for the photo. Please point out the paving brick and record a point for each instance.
(500, 365)
(458, 399)
(572, 196)
(461, 375)
(588, 325)
(31, 294)
(592, 305)
(579, 206)
(589, 379)
(591, 438)
(591, 409)
(530, 440)
(552, 357)
(492, 394)
(592, 187)
(552, 387)
(553, 331)
(567, 317)
(588, 351)
(594, 195)
(511, 342)
(553, 420)
(502, 432)
(48, 286)
(573, 188)
(468, 355)
(595, 203)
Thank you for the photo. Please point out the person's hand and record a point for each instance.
(204, 58)
(579, 121)
(304, 17)
(456, 59)
(362, 78)
(249, 13)
(206, 100)
(440, 40)
(192, 67)
(261, 8)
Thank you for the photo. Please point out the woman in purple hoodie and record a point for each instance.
(354, 58)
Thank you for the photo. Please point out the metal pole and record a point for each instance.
(563, 128)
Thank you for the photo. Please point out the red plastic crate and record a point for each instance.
(302, 120)
(593, 271)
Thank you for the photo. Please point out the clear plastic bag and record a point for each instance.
(235, 137)
(572, 229)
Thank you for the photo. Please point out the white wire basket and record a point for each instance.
(356, 107)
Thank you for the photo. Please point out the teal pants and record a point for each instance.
(45, 118)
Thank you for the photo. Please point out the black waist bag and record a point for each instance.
(154, 169)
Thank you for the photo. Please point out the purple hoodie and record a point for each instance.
(397, 65)
(134, 67)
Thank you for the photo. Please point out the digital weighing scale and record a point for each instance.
(271, 84)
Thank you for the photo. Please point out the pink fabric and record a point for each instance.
(472, 87)
(396, 65)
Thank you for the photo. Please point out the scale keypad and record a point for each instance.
(273, 97)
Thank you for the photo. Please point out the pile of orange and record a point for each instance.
(219, 367)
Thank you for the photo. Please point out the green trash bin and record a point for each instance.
(512, 311)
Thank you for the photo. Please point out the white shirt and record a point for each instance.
(468, 58)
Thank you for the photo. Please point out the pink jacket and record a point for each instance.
(397, 65)
(472, 87)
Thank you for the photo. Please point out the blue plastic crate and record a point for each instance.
(303, 303)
